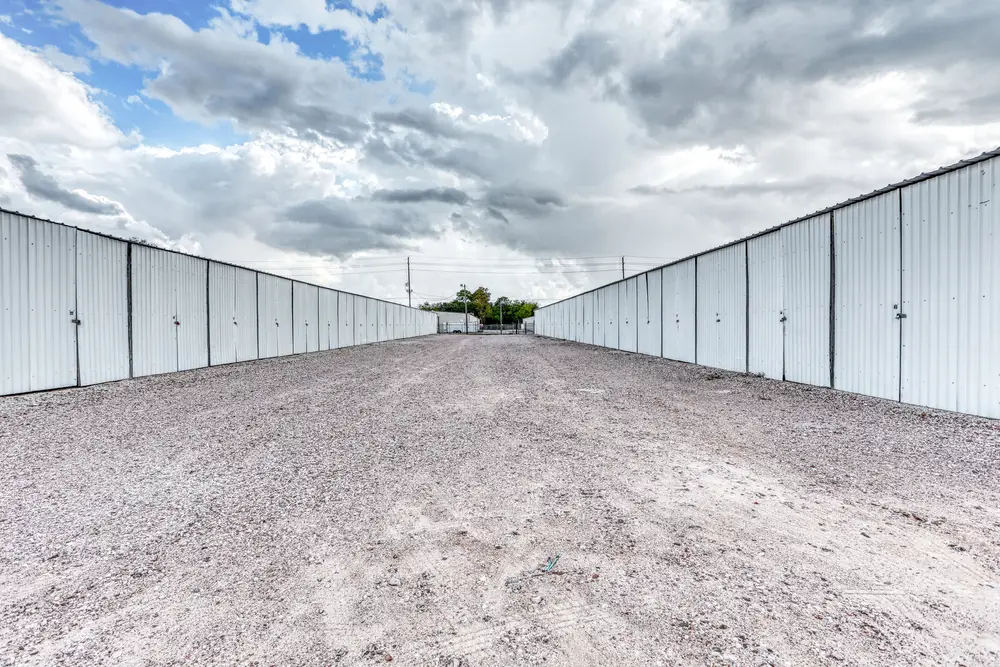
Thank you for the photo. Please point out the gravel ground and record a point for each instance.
(398, 502)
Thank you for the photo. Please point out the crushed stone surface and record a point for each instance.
(402, 502)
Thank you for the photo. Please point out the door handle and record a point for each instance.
(900, 316)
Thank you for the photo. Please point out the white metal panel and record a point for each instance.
(274, 315)
(360, 320)
(578, 318)
(588, 318)
(722, 303)
(102, 307)
(15, 330)
(806, 247)
(246, 315)
(374, 316)
(191, 291)
(610, 298)
(154, 311)
(679, 297)
(390, 321)
(223, 326)
(328, 319)
(383, 321)
(650, 306)
(345, 313)
(305, 310)
(600, 314)
(766, 303)
(867, 296)
(951, 291)
(37, 305)
(628, 331)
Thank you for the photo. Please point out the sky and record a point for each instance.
(519, 144)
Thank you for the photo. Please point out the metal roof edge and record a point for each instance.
(926, 176)
(207, 259)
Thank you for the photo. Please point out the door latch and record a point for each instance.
(900, 316)
(783, 319)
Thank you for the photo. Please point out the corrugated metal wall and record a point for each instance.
(305, 309)
(867, 258)
(722, 308)
(361, 320)
(588, 318)
(328, 319)
(765, 301)
(951, 291)
(345, 314)
(191, 306)
(628, 330)
(898, 291)
(274, 315)
(806, 247)
(650, 306)
(79, 308)
(154, 312)
(102, 308)
(679, 324)
(610, 298)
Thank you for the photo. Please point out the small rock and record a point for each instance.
(394, 581)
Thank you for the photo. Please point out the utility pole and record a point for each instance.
(623, 267)
(465, 300)
(409, 290)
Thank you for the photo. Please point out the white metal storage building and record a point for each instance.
(79, 308)
(451, 322)
(894, 294)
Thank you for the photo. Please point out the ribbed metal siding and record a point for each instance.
(628, 330)
(600, 313)
(190, 291)
(274, 315)
(650, 305)
(345, 315)
(767, 331)
(360, 320)
(305, 309)
(15, 329)
(102, 307)
(246, 315)
(679, 311)
(722, 302)
(588, 318)
(37, 304)
(154, 312)
(609, 295)
(390, 324)
(328, 319)
(806, 247)
(951, 291)
(223, 326)
(867, 257)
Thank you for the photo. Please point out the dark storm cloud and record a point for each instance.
(591, 53)
(441, 195)
(528, 201)
(45, 187)
(333, 226)
(721, 80)
(429, 122)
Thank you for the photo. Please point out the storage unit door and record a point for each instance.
(679, 311)
(588, 318)
(867, 296)
(766, 303)
(306, 314)
(360, 320)
(246, 315)
(722, 303)
(628, 331)
(154, 311)
(650, 312)
(102, 308)
(191, 276)
(223, 329)
(610, 316)
(345, 312)
(807, 301)
(599, 314)
(328, 328)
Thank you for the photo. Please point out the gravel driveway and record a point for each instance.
(399, 502)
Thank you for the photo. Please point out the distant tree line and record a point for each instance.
(480, 304)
